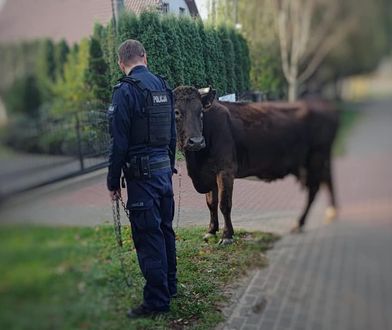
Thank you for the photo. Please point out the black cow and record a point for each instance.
(222, 141)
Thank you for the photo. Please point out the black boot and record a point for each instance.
(142, 311)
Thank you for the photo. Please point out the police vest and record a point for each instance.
(152, 127)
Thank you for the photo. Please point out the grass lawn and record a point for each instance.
(70, 278)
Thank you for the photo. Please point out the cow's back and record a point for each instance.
(271, 138)
(274, 139)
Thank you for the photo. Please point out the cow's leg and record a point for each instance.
(315, 171)
(225, 182)
(312, 191)
(212, 203)
(330, 213)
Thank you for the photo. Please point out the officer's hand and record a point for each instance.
(115, 194)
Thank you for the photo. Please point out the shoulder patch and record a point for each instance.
(117, 85)
(111, 108)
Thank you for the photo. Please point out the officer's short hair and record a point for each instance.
(131, 51)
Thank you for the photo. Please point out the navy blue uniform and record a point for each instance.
(150, 200)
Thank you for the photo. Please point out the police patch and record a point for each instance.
(159, 98)
(111, 108)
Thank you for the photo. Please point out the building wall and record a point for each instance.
(56, 19)
(175, 5)
(70, 19)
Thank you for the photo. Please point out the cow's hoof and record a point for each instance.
(330, 215)
(226, 241)
(297, 230)
(207, 236)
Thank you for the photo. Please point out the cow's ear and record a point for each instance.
(208, 98)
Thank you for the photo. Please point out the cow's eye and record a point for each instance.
(177, 113)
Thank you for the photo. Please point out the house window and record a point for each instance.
(165, 7)
(182, 10)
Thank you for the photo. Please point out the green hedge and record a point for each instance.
(182, 49)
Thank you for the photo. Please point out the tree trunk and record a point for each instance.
(293, 90)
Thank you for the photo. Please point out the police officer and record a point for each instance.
(143, 142)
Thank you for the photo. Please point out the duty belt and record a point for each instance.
(157, 165)
(140, 167)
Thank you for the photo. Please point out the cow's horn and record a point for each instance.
(205, 90)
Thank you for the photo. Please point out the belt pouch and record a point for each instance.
(145, 167)
(134, 168)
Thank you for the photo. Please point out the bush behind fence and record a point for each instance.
(79, 132)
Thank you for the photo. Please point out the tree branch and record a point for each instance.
(305, 28)
(282, 13)
(326, 47)
(322, 29)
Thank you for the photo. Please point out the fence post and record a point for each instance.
(79, 138)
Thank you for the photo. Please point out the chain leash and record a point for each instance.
(117, 222)
(118, 234)
(179, 196)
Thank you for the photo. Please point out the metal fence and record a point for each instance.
(38, 152)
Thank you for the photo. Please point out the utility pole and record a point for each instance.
(236, 23)
(117, 8)
(235, 12)
(213, 12)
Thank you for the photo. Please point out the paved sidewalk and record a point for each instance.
(335, 277)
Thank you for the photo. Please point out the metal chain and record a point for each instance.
(117, 222)
(179, 196)
(125, 208)
(117, 232)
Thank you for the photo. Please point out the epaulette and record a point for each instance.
(161, 76)
(163, 80)
(130, 80)
(134, 82)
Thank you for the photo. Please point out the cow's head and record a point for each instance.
(189, 105)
